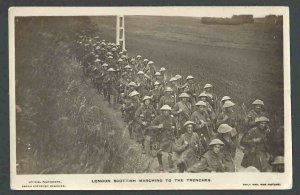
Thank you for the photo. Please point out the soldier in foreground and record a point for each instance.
(188, 147)
(256, 145)
(164, 127)
(212, 161)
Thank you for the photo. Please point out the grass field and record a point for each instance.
(242, 61)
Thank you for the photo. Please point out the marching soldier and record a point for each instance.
(212, 161)
(219, 108)
(182, 110)
(203, 123)
(256, 145)
(229, 117)
(229, 147)
(141, 83)
(164, 127)
(203, 97)
(156, 94)
(130, 108)
(192, 89)
(257, 111)
(167, 98)
(211, 97)
(188, 147)
(144, 116)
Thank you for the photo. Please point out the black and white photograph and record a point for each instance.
(127, 98)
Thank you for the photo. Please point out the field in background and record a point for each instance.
(242, 61)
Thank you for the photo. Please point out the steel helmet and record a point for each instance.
(228, 104)
(134, 93)
(145, 60)
(110, 57)
(104, 65)
(114, 49)
(178, 76)
(162, 69)
(216, 142)
(132, 84)
(224, 98)
(146, 98)
(120, 60)
(123, 56)
(132, 59)
(156, 83)
(109, 53)
(127, 67)
(97, 60)
(208, 86)
(189, 123)
(258, 102)
(168, 89)
(184, 95)
(189, 77)
(200, 103)
(224, 128)
(111, 70)
(203, 95)
(157, 74)
(261, 119)
(138, 56)
(165, 108)
(173, 79)
(278, 160)
(150, 62)
(140, 72)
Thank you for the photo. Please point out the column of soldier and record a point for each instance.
(172, 115)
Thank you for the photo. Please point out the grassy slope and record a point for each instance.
(243, 61)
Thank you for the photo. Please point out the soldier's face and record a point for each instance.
(147, 102)
(156, 87)
(208, 89)
(189, 129)
(203, 99)
(184, 99)
(201, 108)
(190, 81)
(262, 125)
(166, 112)
(257, 108)
(216, 149)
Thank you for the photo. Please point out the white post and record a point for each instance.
(120, 31)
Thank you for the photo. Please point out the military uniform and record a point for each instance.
(185, 115)
(143, 114)
(167, 100)
(189, 148)
(209, 162)
(251, 116)
(203, 131)
(229, 150)
(130, 109)
(255, 151)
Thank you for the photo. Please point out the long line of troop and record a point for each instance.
(175, 116)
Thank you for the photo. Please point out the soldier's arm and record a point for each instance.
(179, 145)
(202, 166)
(248, 138)
(137, 115)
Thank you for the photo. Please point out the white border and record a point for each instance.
(219, 180)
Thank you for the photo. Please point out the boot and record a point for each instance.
(181, 167)
(159, 158)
